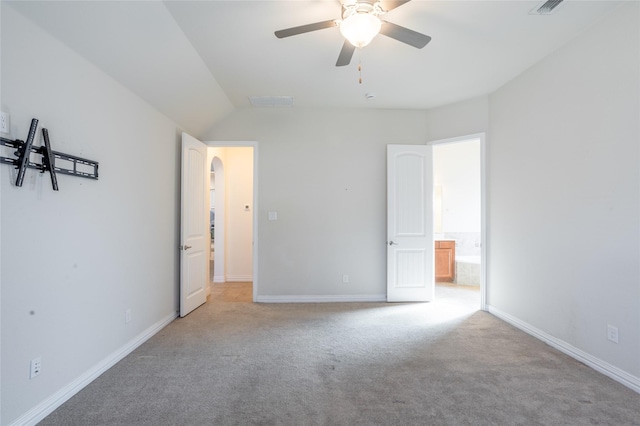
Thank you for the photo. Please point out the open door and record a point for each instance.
(410, 223)
(194, 225)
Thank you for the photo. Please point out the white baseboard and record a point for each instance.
(613, 372)
(238, 278)
(46, 407)
(218, 278)
(322, 299)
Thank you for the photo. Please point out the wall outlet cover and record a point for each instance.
(36, 367)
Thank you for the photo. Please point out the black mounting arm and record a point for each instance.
(78, 166)
(48, 161)
(24, 152)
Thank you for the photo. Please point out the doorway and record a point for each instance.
(459, 218)
(232, 199)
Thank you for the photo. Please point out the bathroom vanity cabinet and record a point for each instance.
(445, 258)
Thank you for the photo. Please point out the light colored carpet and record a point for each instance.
(439, 363)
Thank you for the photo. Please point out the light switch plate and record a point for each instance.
(5, 126)
(612, 333)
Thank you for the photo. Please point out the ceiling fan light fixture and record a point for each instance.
(359, 24)
(360, 28)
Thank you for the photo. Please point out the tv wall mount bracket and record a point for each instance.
(77, 166)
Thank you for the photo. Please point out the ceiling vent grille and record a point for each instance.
(271, 101)
(546, 8)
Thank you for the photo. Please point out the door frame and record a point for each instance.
(254, 212)
(483, 207)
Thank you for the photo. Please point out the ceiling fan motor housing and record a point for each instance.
(369, 7)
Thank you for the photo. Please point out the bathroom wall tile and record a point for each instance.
(467, 243)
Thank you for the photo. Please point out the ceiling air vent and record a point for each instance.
(546, 8)
(271, 101)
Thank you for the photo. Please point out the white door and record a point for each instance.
(410, 249)
(194, 225)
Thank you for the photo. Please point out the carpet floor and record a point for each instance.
(438, 363)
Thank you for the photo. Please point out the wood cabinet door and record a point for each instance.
(445, 258)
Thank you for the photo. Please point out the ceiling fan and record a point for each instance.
(359, 24)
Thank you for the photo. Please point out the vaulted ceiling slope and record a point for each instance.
(139, 44)
(195, 61)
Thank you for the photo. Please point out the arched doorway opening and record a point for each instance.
(217, 220)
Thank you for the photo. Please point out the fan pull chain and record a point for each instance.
(359, 66)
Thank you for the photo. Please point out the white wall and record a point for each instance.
(239, 194)
(460, 119)
(74, 260)
(324, 173)
(564, 193)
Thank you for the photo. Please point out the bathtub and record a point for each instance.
(467, 270)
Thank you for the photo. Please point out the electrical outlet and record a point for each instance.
(5, 126)
(127, 316)
(36, 367)
(345, 278)
(612, 333)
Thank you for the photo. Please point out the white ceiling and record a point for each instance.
(196, 61)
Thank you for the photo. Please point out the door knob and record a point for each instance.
(393, 243)
(185, 247)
